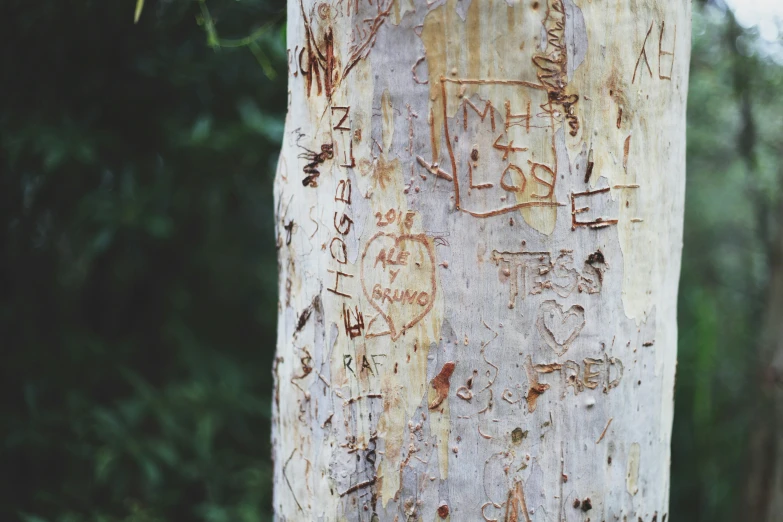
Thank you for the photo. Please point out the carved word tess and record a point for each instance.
(540, 273)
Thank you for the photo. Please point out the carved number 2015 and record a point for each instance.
(393, 215)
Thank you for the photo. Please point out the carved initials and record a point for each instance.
(344, 226)
(525, 117)
(508, 148)
(596, 223)
(662, 53)
(340, 125)
(337, 275)
(343, 186)
(643, 54)
(353, 321)
(487, 108)
(338, 250)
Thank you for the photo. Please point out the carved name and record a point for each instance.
(398, 278)
(532, 273)
(591, 374)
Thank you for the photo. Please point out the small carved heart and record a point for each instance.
(560, 328)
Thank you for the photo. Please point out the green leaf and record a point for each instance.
(263, 60)
(255, 119)
(205, 431)
(139, 7)
(104, 459)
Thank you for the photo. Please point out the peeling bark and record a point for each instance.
(479, 216)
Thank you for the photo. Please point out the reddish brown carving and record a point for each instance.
(398, 279)
(315, 159)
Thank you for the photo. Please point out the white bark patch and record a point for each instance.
(632, 476)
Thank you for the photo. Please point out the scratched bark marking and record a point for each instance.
(479, 214)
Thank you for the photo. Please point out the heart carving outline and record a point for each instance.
(552, 309)
(395, 330)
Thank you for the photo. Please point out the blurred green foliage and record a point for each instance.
(734, 180)
(137, 266)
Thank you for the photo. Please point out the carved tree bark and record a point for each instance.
(479, 216)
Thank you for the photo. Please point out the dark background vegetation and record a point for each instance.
(138, 273)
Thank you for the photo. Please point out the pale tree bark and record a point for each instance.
(479, 215)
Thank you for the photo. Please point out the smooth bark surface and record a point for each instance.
(479, 216)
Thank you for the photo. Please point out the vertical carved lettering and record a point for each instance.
(343, 192)
(341, 124)
(338, 250)
(344, 226)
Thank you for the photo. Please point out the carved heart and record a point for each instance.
(559, 328)
(398, 278)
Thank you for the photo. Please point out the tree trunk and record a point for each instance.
(765, 470)
(479, 216)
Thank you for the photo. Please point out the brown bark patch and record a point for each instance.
(441, 384)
